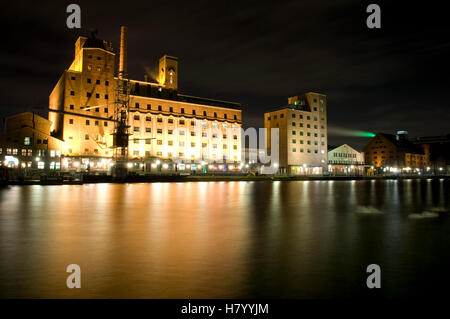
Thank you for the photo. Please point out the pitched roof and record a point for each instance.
(332, 147)
(403, 144)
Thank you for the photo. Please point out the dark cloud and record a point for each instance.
(255, 53)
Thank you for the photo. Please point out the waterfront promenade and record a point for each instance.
(87, 179)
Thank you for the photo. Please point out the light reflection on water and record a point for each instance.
(304, 239)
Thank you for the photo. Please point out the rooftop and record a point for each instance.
(403, 144)
(206, 101)
(151, 89)
(92, 42)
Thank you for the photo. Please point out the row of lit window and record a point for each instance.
(293, 115)
(308, 142)
(307, 134)
(300, 116)
(40, 165)
(303, 102)
(29, 152)
(97, 95)
(159, 120)
(86, 151)
(418, 158)
(391, 156)
(86, 137)
(294, 150)
(27, 141)
(307, 125)
(89, 94)
(180, 154)
(136, 141)
(147, 153)
(344, 161)
(390, 151)
(182, 144)
(88, 122)
(182, 111)
(88, 80)
(87, 108)
(181, 132)
(181, 122)
(344, 155)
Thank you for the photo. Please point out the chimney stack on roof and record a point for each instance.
(123, 52)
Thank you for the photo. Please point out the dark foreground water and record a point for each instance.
(305, 239)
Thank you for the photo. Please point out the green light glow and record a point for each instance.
(364, 134)
(339, 131)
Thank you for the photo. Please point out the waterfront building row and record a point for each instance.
(169, 131)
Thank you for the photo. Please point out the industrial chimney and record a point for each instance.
(123, 52)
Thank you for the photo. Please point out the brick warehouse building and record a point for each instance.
(397, 152)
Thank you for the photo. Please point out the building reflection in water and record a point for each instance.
(301, 239)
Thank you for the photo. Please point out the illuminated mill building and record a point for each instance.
(162, 122)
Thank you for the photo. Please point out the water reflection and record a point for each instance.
(303, 239)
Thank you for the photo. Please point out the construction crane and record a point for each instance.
(121, 128)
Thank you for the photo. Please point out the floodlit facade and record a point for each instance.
(163, 124)
(81, 105)
(345, 160)
(302, 125)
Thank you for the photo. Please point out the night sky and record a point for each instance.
(253, 52)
